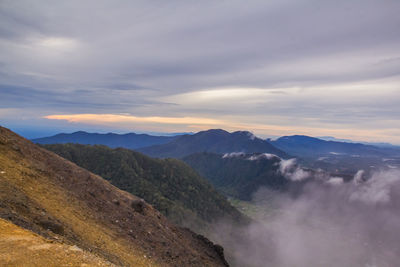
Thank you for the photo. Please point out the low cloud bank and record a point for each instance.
(292, 171)
(287, 167)
(330, 223)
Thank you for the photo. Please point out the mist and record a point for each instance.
(330, 223)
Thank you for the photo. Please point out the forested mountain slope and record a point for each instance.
(170, 185)
(214, 141)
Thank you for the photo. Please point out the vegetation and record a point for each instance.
(237, 176)
(170, 185)
(66, 204)
(214, 141)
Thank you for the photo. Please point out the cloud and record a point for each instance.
(335, 181)
(323, 225)
(290, 170)
(286, 166)
(302, 64)
(114, 118)
(233, 155)
(378, 189)
(358, 177)
(264, 156)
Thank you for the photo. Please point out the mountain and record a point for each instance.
(305, 146)
(215, 141)
(170, 185)
(130, 140)
(61, 204)
(339, 158)
(377, 144)
(21, 247)
(239, 175)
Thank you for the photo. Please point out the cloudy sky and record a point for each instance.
(275, 67)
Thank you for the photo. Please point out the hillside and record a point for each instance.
(19, 246)
(236, 175)
(215, 141)
(52, 197)
(130, 140)
(170, 185)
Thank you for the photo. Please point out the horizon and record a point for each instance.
(275, 69)
(31, 136)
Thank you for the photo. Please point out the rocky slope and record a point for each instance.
(56, 199)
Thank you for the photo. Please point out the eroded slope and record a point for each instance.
(53, 197)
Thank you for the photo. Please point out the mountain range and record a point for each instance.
(336, 156)
(129, 140)
(339, 158)
(306, 146)
(214, 141)
(55, 213)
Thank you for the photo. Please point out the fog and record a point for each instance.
(330, 223)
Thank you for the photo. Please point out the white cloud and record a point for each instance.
(335, 181)
(298, 64)
(233, 155)
(264, 155)
(292, 171)
(378, 189)
(358, 177)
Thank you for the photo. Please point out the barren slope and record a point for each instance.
(20, 247)
(53, 197)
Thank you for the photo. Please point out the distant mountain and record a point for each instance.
(378, 144)
(215, 141)
(72, 217)
(170, 185)
(305, 146)
(338, 158)
(331, 138)
(130, 140)
(239, 175)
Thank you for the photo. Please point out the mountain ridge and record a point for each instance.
(302, 145)
(214, 141)
(172, 186)
(113, 140)
(50, 196)
(239, 175)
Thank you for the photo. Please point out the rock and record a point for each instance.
(75, 248)
(138, 205)
(52, 226)
(217, 248)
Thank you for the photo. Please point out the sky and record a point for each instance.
(278, 67)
